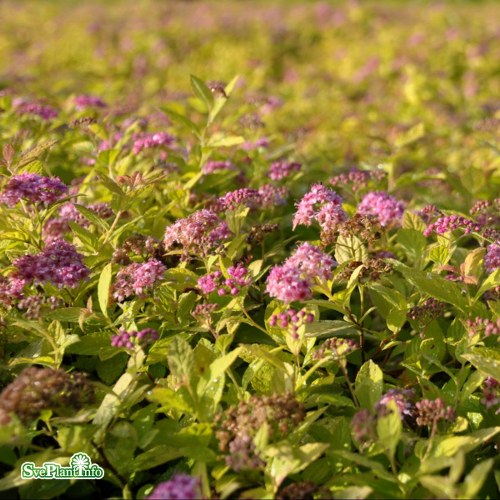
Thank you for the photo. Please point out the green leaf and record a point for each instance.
(434, 285)
(475, 479)
(449, 446)
(202, 91)
(486, 360)
(349, 247)
(389, 428)
(103, 288)
(369, 384)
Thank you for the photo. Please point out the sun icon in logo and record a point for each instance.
(80, 462)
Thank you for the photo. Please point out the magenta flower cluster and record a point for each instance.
(293, 280)
(450, 223)
(238, 278)
(24, 107)
(244, 196)
(491, 393)
(386, 208)
(131, 339)
(492, 257)
(357, 179)
(34, 188)
(57, 227)
(88, 101)
(215, 165)
(320, 204)
(136, 279)
(180, 487)
(293, 319)
(148, 140)
(281, 169)
(483, 326)
(402, 398)
(59, 263)
(272, 196)
(429, 412)
(200, 233)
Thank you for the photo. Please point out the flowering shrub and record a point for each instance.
(279, 285)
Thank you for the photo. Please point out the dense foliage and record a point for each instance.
(278, 285)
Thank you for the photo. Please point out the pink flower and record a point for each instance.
(33, 188)
(88, 101)
(492, 257)
(311, 262)
(386, 208)
(281, 169)
(136, 279)
(148, 140)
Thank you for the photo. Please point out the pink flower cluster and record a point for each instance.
(148, 140)
(24, 107)
(244, 196)
(263, 142)
(281, 169)
(293, 280)
(59, 263)
(450, 223)
(357, 179)
(402, 398)
(88, 101)
(200, 233)
(320, 204)
(492, 257)
(131, 339)
(57, 227)
(180, 487)
(483, 326)
(272, 196)
(292, 318)
(491, 396)
(33, 188)
(386, 208)
(136, 279)
(214, 165)
(238, 278)
(429, 412)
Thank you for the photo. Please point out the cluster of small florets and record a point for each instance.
(402, 398)
(88, 101)
(364, 426)
(136, 279)
(281, 413)
(215, 165)
(262, 142)
(34, 305)
(322, 205)
(357, 179)
(386, 208)
(450, 223)
(59, 263)
(492, 257)
(245, 196)
(258, 232)
(428, 412)
(429, 212)
(372, 270)
(281, 169)
(238, 278)
(37, 389)
(336, 348)
(486, 212)
(148, 140)
(429, 310)
(293, 280)
(137, 244)
(11, 289)
(34, 188)
(364, 227)
(303, 490)
(202, 313)
(483, 326)
(272, 196)
(57, 227)
(292, 319)
(45, 112)
(180, 487)
(491, 393)
(198, 234)
(132, 338)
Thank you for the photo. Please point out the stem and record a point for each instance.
(349, 385)
(252, 322)
(113, 226)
